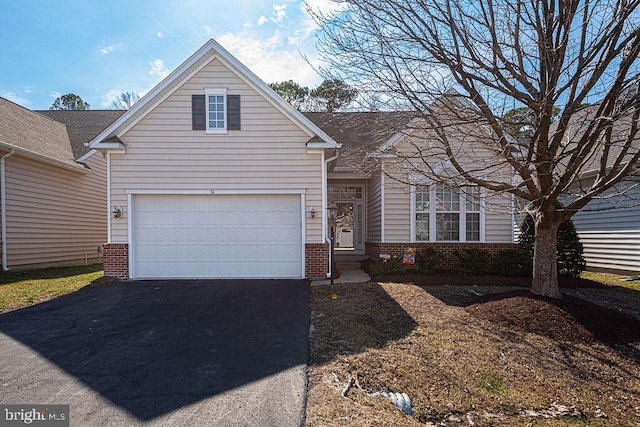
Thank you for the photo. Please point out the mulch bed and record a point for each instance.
(458, 278)
(570, 319)
(488, 280)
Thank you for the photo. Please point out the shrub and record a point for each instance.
(513, 262)
(474, 261)
(393, 266)
(428, 259)
(570, 260)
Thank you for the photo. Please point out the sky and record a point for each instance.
(97, 49)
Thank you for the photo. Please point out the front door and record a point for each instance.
(350, 227)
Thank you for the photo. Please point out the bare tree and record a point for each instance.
(124, 101)
(501, 55)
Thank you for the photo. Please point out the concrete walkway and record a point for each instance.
(350, 271)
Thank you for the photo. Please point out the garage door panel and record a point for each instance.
(202, 236)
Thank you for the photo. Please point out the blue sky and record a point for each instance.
(96, 49)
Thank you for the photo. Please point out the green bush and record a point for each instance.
(513, 262)
(428, 259)
(393, 266)
(571, 261)
(474, 261)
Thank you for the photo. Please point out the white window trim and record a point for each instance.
(216, 92)
(432, 217)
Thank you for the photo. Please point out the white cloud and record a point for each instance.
(158, 69)
(208, 30)
(110, 96)
(325, 7)
(319, 7)
(279, 12)
(105, 50)
(14, 97)
(270, 58)
(55, 94)
(159, 34)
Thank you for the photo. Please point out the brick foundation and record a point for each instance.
(450, 261)
(317, 260)
(116, 260)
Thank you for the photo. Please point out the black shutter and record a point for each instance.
(233, 112)
(198, 112)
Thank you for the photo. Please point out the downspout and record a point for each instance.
(325, 173)
(3, 207)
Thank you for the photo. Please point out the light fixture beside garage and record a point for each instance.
(312, 212)
(117, 212)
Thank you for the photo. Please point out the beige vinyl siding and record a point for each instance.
(374, 209)
(611, 237)
(268, 154)
(54, 216)
(498, 219)
(397, 211)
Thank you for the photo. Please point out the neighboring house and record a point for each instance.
(212, 175)
(609, 229)
(53, 190)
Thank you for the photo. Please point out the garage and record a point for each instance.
(216, 236)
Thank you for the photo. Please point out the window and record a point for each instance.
(447, 214)
(216, 111)
(472, 208)
(422, 213)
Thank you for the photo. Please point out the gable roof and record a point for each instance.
(83, 125)
(195, 62)
(36, 136)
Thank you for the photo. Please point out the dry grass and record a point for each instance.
(457, 369)
(21, 289)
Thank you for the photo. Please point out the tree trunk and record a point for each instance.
(545, 260)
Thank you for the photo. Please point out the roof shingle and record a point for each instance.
(32, 132)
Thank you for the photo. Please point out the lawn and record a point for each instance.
(23, 288)
(463, 363)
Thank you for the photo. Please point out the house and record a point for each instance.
(390, 204)
(212, 175)
(53, 189)
(609, 229)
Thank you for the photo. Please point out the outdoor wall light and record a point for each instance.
(117, 212)
(313, 212)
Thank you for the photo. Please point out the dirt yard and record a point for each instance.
(472, 355)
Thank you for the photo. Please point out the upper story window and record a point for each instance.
(216, 110)
(447, 214)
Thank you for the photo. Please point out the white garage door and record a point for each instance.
(217, 236)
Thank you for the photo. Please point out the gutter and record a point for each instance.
(3, 206)
(325, 172)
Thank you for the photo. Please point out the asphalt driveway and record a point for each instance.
(223, 352)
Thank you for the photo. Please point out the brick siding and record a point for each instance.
(317, 260)
(450, 261)
(116, 260)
